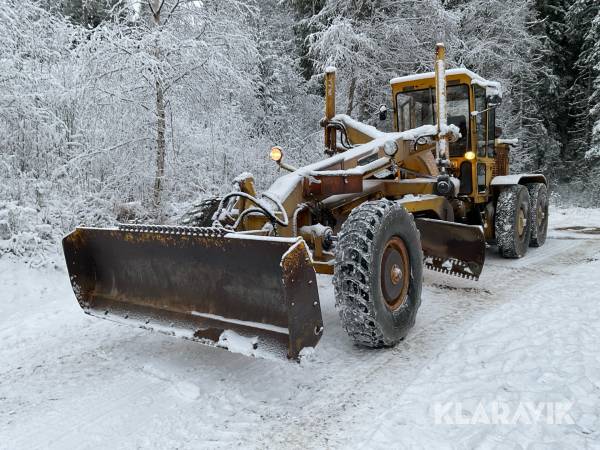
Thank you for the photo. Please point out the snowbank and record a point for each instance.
(525, 334)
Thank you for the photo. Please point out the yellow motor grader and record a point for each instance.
(374, 212)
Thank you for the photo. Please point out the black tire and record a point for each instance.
(538, 213)
(513, 227)
(378, 311)
(200, 215)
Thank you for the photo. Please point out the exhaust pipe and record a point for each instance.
(330, 132)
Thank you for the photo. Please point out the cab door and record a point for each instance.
(485, 128)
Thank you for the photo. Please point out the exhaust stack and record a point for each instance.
(440, 99)
(330, 136)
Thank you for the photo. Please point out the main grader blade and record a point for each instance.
(452, 248)
(202, 284)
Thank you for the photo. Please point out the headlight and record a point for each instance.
(276, 154)
(470, 155)
(443, 186)
(390, 148)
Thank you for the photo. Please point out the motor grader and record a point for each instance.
(377, 210)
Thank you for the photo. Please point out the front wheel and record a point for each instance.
(378, 273)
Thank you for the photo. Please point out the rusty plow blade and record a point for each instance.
(252, 295)
(452, 248)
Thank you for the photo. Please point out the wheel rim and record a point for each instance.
(541, 215)
(521, 222)
(395, 273)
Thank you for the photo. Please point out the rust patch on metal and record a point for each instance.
(326, 185)
(302, 297)
(452, 248)
(395, 273)
(196, 283)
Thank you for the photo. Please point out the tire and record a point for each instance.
(378, 237)
(513, 227)
(538, 213)
(200, 215)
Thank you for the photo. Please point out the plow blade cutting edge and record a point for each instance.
(452, 248)
(255, 295)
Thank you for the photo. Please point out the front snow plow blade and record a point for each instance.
(452, 248)
(254, 295)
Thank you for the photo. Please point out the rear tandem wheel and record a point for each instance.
(512, 222)
(538, 204)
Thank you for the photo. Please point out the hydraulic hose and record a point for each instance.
(260, 207)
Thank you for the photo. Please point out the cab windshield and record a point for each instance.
(416, 108)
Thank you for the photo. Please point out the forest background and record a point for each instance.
(113, 110)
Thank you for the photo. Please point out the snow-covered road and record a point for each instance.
(528, 333)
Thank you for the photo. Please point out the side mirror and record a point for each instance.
(490, 107)
(382, 112)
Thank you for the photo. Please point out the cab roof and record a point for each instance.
(475, 79)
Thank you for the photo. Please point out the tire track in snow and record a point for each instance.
(368, 381)
(191, 396)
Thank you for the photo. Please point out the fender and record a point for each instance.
(523, 178)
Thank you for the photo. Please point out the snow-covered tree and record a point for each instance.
(371, 41)
(109, 106)
(590, 57)
(288, 114)
(501, 43)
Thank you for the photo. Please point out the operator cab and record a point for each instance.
(471, 102)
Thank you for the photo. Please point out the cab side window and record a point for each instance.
(457, 107)
(405, 115)
(415, 108)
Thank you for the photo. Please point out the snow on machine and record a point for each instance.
(374, 212)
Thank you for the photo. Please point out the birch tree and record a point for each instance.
(164, 58)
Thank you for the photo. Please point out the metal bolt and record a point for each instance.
(396, 274)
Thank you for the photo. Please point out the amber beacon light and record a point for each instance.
(276, 154)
